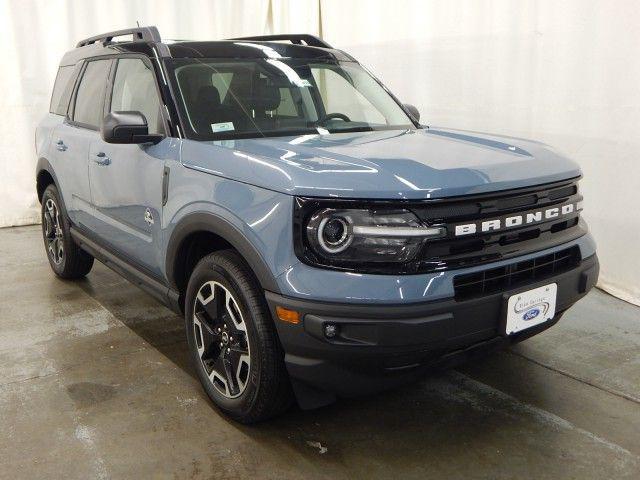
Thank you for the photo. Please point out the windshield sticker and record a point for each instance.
(222, 127)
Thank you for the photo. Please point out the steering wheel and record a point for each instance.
(329, 116)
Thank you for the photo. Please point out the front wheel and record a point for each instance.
(232, 340)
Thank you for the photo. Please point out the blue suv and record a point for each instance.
(318, 239)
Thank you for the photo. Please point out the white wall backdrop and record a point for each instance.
(566, 72)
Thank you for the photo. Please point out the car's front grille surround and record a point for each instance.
(466, 251)
(510, 276)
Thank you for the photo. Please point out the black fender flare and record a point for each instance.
(43, 165)
(212, 223)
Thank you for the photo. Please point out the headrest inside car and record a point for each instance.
(265, 96)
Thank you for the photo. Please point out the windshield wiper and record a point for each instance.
(352, 129)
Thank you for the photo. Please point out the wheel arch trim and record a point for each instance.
(217, 225)
(43, 165)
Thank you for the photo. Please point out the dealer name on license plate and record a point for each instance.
(530, 308)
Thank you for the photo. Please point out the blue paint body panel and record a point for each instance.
(407, 164)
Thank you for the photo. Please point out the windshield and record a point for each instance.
(245, 98)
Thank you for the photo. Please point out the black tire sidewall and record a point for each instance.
(52, 192)
(210, 270)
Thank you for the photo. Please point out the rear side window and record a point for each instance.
(134, 88)
(90, 97)
(62, 89)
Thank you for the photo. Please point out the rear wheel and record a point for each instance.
(67, 260)
(232, 340)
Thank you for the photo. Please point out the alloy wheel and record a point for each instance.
(221, 339)
(53, 231)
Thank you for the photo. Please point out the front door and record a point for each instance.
(127, 180)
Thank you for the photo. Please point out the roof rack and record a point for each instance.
(140, 34)
(298, 39)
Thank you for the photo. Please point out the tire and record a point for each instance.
(232, 340)
(67, 260)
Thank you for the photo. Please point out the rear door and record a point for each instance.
(127, 180)
(72, 139)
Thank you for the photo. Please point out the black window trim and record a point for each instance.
(72, 103)
(111, 79)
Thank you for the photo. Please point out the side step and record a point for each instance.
(146, 282)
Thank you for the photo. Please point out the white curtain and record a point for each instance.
(565, 72)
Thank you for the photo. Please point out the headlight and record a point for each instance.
(334, 233)
(361, 239)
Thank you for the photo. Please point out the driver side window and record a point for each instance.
(134, 88)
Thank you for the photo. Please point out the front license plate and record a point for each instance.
(530, 308)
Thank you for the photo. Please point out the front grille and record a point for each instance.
(457, 250)
(511, 276)
(454, 252)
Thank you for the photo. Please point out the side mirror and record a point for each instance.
(413, 111)
(127, 127)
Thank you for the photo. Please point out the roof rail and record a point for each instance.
(298, 39)
(140, 34)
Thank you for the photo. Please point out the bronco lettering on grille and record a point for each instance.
(521, 219)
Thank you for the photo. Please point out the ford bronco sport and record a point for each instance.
(319, 240)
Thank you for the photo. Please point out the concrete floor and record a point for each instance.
(95, 383)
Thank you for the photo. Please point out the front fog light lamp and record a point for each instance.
(368, 235)
(330, 330)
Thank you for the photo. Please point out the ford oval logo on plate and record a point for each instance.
(531, 314)
(530, 308)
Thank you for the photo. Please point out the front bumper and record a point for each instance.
(382, 346)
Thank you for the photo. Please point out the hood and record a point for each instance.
(407, 164)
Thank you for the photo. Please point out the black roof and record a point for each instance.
(146, 41)
(251, 49)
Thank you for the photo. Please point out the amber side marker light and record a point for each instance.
(286, 315)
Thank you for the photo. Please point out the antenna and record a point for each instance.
(138, 23)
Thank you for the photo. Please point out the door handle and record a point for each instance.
(60, 146)
(102, 159)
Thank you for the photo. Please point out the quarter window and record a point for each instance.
(90, 97)
(62, 90)
(134, 89)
